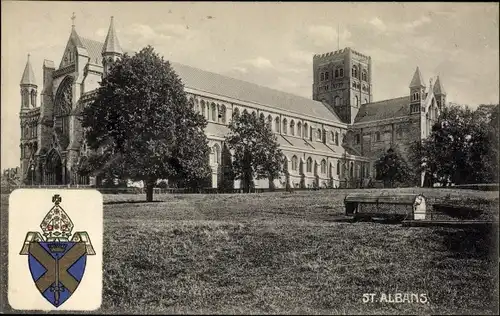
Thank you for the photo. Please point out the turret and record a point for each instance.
(28, 87)
(439, 93)
(111, 50)
(417, 91)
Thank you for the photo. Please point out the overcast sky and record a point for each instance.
(270, 44)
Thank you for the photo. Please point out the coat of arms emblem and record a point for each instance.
(56, 260)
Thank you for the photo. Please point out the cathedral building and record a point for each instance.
(331, 140)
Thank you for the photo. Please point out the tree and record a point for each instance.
(392, 168)
(462, 147)
(141, 126)
(256, 150)
(226, 183)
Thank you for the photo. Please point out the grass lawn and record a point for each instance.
(284, 253)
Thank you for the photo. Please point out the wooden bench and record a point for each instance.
(414, 204)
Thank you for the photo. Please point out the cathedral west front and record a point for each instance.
(331, 140)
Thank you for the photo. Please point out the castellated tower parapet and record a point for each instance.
(342, 79)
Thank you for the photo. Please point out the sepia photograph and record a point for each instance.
(249, 157)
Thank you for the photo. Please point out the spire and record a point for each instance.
(417, 80)
(438, 87)
(112, 45)
(28, 74)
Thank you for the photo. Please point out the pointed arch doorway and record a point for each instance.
(54, 168)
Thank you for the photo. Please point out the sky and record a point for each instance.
(268, 43)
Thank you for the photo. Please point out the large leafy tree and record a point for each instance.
(256, 150)
(462, 147)
(141, 125)
(392, 168)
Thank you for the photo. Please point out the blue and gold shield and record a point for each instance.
(57, 268)
(57, 264)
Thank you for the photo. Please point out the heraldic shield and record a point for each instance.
(57, 261)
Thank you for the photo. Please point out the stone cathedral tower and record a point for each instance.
(111, 49)
(28, 117)
(343, 80)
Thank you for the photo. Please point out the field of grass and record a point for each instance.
(282, 253)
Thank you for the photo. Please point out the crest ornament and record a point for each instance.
(56, 259)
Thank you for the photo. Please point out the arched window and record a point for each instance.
(306, 130)
(364, 75)
(327, 75)
(214, 112)
(414, 108)
(356, 100)
(299, 129)
(294, 163)
(351, 171)
(309, 164)
(245, 112)
(270, 122)
(366, 101)
(262, 117)
(323, 166)
(26, 96)
(203, 109)
(377, 136)
(322, 77)
(277, 124)
(318, 134)
(337, 101)
(223, 113)
(415, 96)
(236, 112)
(292, 128)
(337, 138)
(338, 167)
(341, 72)
(284, 126)
(33, 98)
(336, 73)
(355, 71)
(332, 136)
(216, 152)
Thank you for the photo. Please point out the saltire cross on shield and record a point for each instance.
(57, 264)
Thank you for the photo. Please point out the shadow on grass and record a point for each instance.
(471, 242)
(128, 202)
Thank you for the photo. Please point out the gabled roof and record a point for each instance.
(438, 87)
(75, 38)
(217, 84)
(386, 109)
(94, 48)
(245, 91)
(28, 74)
(111, 44)
(417, 80)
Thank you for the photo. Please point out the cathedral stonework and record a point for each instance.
(330, 140)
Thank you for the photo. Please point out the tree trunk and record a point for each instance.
(272, 187)
(150, 183)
